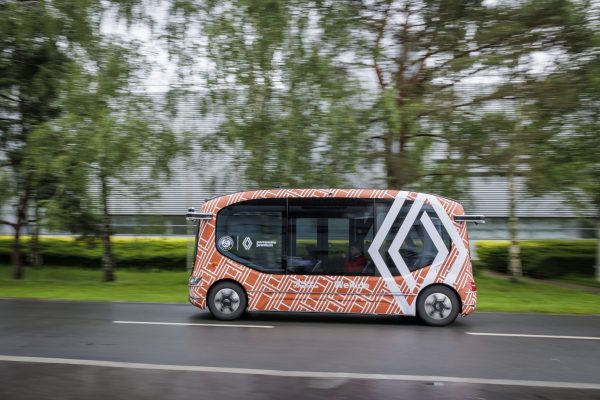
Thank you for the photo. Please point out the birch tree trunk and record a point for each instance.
(598, 247)
(514, 255)
(107, 256)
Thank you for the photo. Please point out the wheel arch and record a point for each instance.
(460, 303)
(215, 283)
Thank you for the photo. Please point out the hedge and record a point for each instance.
(540, 258)
(144, 253)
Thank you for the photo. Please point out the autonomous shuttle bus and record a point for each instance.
(333, 250)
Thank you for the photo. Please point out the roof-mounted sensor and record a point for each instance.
(192, 215)
(478, 219)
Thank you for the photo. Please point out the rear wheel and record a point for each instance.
(227, 301)
(438, 305)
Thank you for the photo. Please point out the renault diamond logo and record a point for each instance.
(247, 243)
(400, 237)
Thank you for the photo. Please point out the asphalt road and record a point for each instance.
(73, 350)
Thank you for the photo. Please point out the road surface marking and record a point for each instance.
(191, 324)
(304, 374)
(533, 336)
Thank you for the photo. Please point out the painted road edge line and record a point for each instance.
(303, 374)
(194, 324)
(533, 336)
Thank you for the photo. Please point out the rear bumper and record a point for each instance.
(469, 302)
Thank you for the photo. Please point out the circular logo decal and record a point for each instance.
(225, 243)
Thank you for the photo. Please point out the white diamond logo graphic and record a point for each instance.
(247, 243)
(394, 248)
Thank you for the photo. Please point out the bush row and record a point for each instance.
(144, 253)
(540, 258)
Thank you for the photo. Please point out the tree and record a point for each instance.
(420, 52)
(114, 140)
(32, 65)
(295, 117)
(568, 162)
(276, 65)
(502, 145)
(58, 163)
(516, 143)
(39, 155)
(38, 42)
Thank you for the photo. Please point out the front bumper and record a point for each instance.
(197, 296)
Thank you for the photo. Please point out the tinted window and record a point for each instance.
(330, 236)
(252, 233)
(418, 250)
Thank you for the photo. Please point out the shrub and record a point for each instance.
(143, 253)
(541, 258)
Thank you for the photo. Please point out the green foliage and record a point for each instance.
(108, 134)
(540, 258)
(312, 89)
(41, 44)
(294, 117)
(421, 53)
(568, 161)
(146, 253)
(112, 130)
(571, 118)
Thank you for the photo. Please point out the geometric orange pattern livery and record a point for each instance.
(341, 294)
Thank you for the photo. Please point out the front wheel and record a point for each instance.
(438, 305)
(227, 301)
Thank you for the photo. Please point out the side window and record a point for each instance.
(330, 236)
(418, 249)
(251, 233)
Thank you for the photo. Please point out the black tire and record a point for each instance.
(438, 305)
(227, 301)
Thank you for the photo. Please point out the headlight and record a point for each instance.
(195, 280)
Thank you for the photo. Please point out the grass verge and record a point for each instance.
(580, 280)
(495, 294)
(69, 283)
(498, 294)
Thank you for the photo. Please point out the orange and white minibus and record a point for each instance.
(333, 250)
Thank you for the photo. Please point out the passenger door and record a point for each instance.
(328, 266)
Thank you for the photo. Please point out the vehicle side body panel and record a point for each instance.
(384, 294)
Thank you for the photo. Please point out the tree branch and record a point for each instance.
(380, 33)
(416, 78)
(404, 54)
(456, 79)
(431, 135)
(9, 98)
(4, 222)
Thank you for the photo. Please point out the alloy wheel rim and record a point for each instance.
(438, 306)
(227, 301)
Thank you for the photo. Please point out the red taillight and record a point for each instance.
(473, 286)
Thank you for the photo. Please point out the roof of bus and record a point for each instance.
(315, 193)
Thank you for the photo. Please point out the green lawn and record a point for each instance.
(498, 294)
(580, 280)
(495, 294)
(85, 284)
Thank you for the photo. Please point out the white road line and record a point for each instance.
(304, 374)
(191, 324)
(533, 336)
